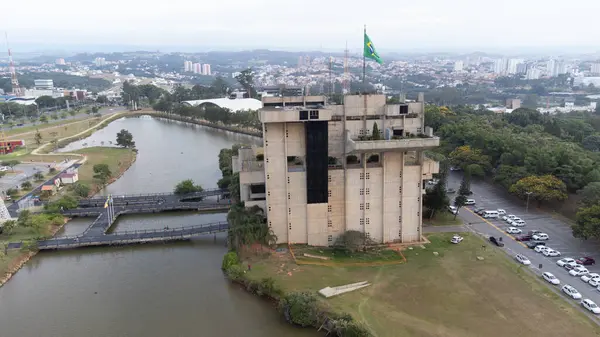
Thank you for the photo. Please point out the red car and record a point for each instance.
(586, 261)
(523, 238)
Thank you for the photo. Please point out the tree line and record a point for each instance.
(544, 157)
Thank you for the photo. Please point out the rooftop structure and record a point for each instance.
(325, 169)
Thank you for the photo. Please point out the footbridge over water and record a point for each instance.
(96, 233)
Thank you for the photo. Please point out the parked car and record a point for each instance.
(586, 261)
(450, 191)
(513, 230)
(533, 232)
(433, 182)
(517, 223)
(509, 217)
(551, 252)
(572, 292)
(522, 259)
(564, 261)
(578, 271)
(541, 237)
(591, 306)
(523, 238)
(456, 239)
(453, 209)
(501, 211)
(595, 282)
(533, 244)
(540, 248)
(496, 242)
(590, 276)
(550, 278)
(570, 265)
(511, 221)
(479, 210)
(470, 202)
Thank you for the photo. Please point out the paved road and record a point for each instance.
(104, 111)
(490, 197)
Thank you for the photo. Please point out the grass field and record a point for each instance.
(376, 255)
(118, 160)
(452, 295)
(443, 218)
(40, 125)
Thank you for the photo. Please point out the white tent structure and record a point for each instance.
(234, 105)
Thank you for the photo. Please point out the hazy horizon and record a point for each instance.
(398, 26)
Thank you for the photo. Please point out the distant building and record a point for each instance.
(197, 68)
(188, 66)
(60, 62)
(512, 66)
(500, 66)
(521, 68)
(206, 69)
(99, 61)
(458, 66)
(533, 73)
(43, 84)
(300, 61)
(513, 103)
(595, 68)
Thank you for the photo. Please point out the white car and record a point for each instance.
(456, 239)
(513, 230)
(453, 209)
(571, 265)
(541, 237)
(518, 223)
(551, 252)
(522, 259)
(595, 282)
(501, 211)
(564, 261)
(540, 248)
(572, 292)
(510, 221)
(578, 271)
(3, 168)
(509, 217)
(590, 305)
(589, 277)
(470, 202)
(550, 278)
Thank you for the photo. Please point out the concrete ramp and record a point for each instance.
(334, 291)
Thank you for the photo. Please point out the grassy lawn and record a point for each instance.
(40, 125)
(443, 218)
(452, 295)
(337, 256)
(118, 160)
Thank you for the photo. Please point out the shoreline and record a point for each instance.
(197, 122)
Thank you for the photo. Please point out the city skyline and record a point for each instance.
(236, 25)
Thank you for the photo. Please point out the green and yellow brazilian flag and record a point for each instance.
(370, 51)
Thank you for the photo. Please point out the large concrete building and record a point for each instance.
(320, 171)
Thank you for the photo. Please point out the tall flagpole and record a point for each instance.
(364, 62)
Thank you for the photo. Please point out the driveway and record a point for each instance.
(561, 239)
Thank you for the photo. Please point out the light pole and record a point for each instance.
(527, 207)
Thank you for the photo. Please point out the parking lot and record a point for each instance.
(25, 171)
(561, 239)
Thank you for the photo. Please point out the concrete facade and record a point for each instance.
(373, 185)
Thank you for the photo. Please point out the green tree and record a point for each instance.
(465, 185)
(464, 156)
(38, 176)
(187, 186)
(459, 202)
(246, 79)
(26, 185)
(541, 188)
(234, 187)
(45, 101)
(64, 203)
(12, 164)
(73, 112)
(587, 223)
(590, 194)
(102, 99)
(102, 172)
(125, 139)
(81, 189)
(54, 116)
(436, 198)
(64, 115)
(375, 135)
(95, 110)
(591, 143)
(38, 137)
(44, 119)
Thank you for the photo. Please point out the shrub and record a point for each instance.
(230, 259)
(80, 189)
(300, 309)
(350, 328)
(235, 272)
(268, 287)
(26, 185)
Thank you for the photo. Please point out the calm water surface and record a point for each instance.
(169, 290)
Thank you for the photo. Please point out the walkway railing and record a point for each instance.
(207, 192)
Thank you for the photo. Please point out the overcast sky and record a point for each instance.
(307, 24)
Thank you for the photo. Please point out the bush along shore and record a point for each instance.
(248, 227)
(300, 309)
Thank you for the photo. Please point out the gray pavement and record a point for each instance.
(561, 239)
